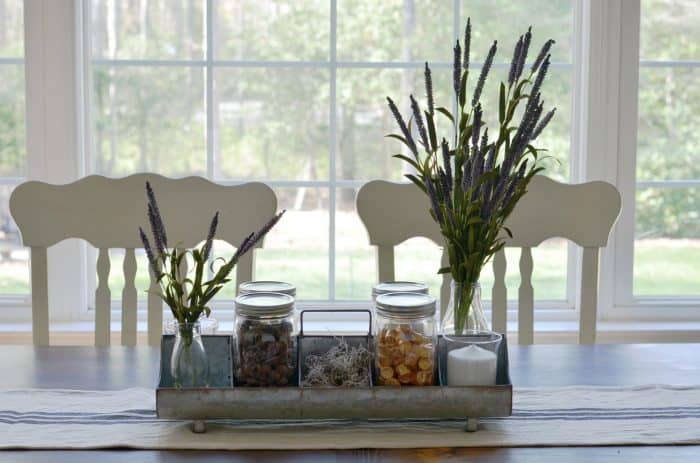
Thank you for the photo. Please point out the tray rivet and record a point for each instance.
(472, 424)
(199, 426)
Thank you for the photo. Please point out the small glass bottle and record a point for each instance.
(405, 339)
(262, 286)
(189, 366)
(264, 328)
(398, 287)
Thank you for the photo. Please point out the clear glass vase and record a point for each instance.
(464, 313)
(189, 365)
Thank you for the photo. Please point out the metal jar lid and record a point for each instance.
(399, 287)
(405, 305)
(264, 304)
(267, 287)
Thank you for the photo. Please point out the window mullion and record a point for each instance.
(209, 89)
(333, 125)
(627, 149)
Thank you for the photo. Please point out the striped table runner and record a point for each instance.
(60, 419)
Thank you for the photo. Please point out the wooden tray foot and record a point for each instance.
(199, 426)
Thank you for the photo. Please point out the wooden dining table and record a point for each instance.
(90, 368)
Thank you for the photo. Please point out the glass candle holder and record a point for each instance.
(470, 359)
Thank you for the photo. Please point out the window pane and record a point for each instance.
(355, 258)
(394, 30)
(556, 138)
(148, 119)
(364, 120)
(11, 28)
(669, 30)
(419, 259)
(14, 259)
(116, 273)
(504, 20)
(296, 250)
(549, 275)
(12, 134)
(667, 242)
(285, 30)
(272, 123)
(148, 29)
(669, 115)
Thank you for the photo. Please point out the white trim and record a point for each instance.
(52, 74)
(627, 149)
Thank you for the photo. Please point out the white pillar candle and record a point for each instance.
(471, 366)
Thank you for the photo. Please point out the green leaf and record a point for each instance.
(445, 112)
(408, 160)
(399, 138)
(417, 182)
(444, 270)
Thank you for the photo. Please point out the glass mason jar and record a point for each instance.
(398, 287)
(189, 365)
(250, 287)
(464, 313)
(264, 328)
(405, 339)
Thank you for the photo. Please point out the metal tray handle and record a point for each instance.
(301, 317)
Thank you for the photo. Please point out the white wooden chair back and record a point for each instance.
(107, 212)
(583, 213)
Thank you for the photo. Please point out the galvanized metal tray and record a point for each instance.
(222, 400)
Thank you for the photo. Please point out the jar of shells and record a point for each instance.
(405, 339)
(264, 330)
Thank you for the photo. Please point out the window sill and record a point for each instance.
(546, 332)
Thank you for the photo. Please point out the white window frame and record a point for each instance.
(332, 184)
(603, 144)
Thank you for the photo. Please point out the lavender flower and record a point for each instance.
(432, 194)
(419, 123)
(491, 161)
(206, 250)
(484, 72)
(540, 77)
(466, 173)
(543, 123)
(429, 90)
(158, 220)
(523, 53)
(476, 124)
(446, 187)
(467, 43)
(446, 162)
(457, 70)
(253, 239)
(476, 172)
(404, 128)
(543, 52)
(157, 230)
(514, 61)
(149, 252)
(484, 142)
